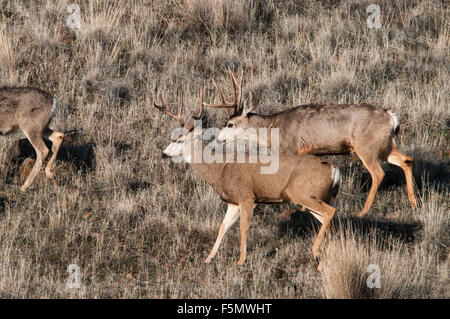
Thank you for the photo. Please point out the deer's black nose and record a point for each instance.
(164, 155)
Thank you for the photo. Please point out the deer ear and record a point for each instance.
(249, 108)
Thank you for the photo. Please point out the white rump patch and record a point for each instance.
(394, 120)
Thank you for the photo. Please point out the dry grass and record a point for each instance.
(139, 226)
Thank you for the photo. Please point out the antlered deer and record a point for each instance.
(324, 129)
(30, 111)
(305, 180)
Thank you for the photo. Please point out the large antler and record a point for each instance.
(163, 108)
(190, 124)
(199, 116)
(236, 96)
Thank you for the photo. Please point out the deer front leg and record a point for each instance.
(405, 162)
(246, 216)
(230, 218)
(56, 139)
(41, 154)
(376, 172)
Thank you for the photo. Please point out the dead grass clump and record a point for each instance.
(340, 85)
(350, 267)
(434, 213)
(230, 16)
(283, 84)
(221, 59)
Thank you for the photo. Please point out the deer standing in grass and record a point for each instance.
(30, 111)
(324, 129)
(305, 180)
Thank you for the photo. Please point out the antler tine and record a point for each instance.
(163, 109)
(162, 102)
(201, 103)
(224, 103)
(240, 86)
(233, 84)
(180, 107)
(221, 96)
(238, 98)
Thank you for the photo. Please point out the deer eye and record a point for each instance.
(180, 141)
(230, 125)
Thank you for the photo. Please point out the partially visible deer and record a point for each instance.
(324, 129)
(30, 111)
(305, 180)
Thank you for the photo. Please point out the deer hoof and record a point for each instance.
(49, 174)
(317, 263)
(361, 214)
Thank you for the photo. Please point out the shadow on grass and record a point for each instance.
(433, 175)
(82, 156)
(304, 225)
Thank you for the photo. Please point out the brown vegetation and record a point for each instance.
(139, 226)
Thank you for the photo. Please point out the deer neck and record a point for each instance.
(263, 126)
(209, 172)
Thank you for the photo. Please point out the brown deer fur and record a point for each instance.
(332, 129)
(305, 180)
(30, 111)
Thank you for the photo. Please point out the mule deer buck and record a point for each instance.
(30, 111)
(324, 129)
(305, 180)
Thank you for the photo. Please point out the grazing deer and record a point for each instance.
(30, 111)
(324, 129)
(305, 180)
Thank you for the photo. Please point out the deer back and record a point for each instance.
(22, 105)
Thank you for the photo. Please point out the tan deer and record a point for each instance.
(305, 180)
(30, 111)
(324, 129)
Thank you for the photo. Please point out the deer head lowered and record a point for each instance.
(305, 180)
(30, 111)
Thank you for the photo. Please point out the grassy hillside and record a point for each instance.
(140, 226)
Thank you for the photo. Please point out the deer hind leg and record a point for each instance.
(41, 153)
(322, 212)
(376, 172)
(56, 139)
(246, 213)
(230, 218)
(405, 162)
